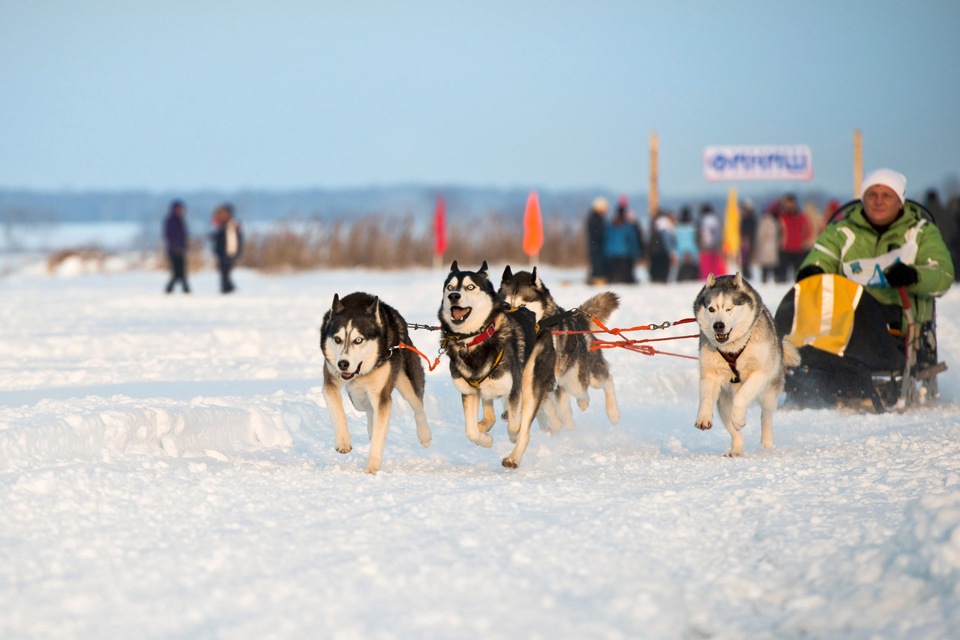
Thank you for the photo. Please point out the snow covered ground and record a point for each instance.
(167, 469)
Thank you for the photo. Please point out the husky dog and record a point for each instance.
(577, 367)
(494, 353)
(741, 358)
(358, 337)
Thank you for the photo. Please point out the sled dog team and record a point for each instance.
(501, 345)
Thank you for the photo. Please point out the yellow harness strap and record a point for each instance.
(476, 383)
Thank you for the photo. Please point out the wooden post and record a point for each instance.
(857, 162)
(654, 199)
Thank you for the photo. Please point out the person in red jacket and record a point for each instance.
(796, 231)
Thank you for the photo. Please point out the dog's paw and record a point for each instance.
(372, 469)
(733, 454)
(614, 415)
(704, 423)
(485, 440)
(425, 437)
(344, 448)
(509, 463)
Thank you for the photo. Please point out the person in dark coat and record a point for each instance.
(175, 238)
(748, 238)
(227, 244)
(596, 233)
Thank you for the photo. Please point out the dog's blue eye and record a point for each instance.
(470, 287)
(357, 340)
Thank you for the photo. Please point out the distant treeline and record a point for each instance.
(24, 207)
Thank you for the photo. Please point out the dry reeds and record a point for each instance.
(390, 243)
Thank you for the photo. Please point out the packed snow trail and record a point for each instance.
(167, 469)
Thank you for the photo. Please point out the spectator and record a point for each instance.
(688, 257)
(176, 239)
(748, 237)
(596, 229)
(946, 222)
(710, 243)
(768, 246)
(623, 204)
(796, 231)
(815, 220)
(227, 244)
(832, 207)
(662, 247)
(884, 243)
(622, 248)
(953, 210)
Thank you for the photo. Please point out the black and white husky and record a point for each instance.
(494, 353)
(577, 367)
(741, 358)
(359, 336)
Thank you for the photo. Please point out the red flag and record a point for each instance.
(532, 226)
(440, 227)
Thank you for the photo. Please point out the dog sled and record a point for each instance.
(855, 352)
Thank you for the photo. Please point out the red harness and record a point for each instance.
(483, 335)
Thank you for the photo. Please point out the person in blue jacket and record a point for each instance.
(621, 246)
(176, 239)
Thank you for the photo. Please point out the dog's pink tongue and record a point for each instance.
(459, 313)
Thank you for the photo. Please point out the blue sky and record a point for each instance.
(176, 95)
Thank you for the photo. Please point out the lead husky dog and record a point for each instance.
(358, 337)
(741, 358)
(494, 353)
(577, 367)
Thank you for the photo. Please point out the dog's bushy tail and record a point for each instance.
(791, 357)
(602, 305)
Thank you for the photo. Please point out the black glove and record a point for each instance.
(901, 275)
(807, 271)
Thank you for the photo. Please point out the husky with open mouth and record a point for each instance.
(494, 353)
(359, 338)
(741, 358)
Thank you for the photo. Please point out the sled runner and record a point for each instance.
(854, 350)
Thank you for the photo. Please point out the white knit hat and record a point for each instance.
(888, 178)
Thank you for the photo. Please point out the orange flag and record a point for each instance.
(532, 226)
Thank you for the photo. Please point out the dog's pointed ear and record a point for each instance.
(483, 268)
(454, 266)
(337, 306)
(536, 278)
(710, 280)
(374, 307)
(507, 274)
(738, 280)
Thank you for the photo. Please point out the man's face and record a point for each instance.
(881, 205)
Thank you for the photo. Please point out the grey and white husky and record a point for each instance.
(577, 367)
(494, 353)
(359, 336)
(741, 358)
